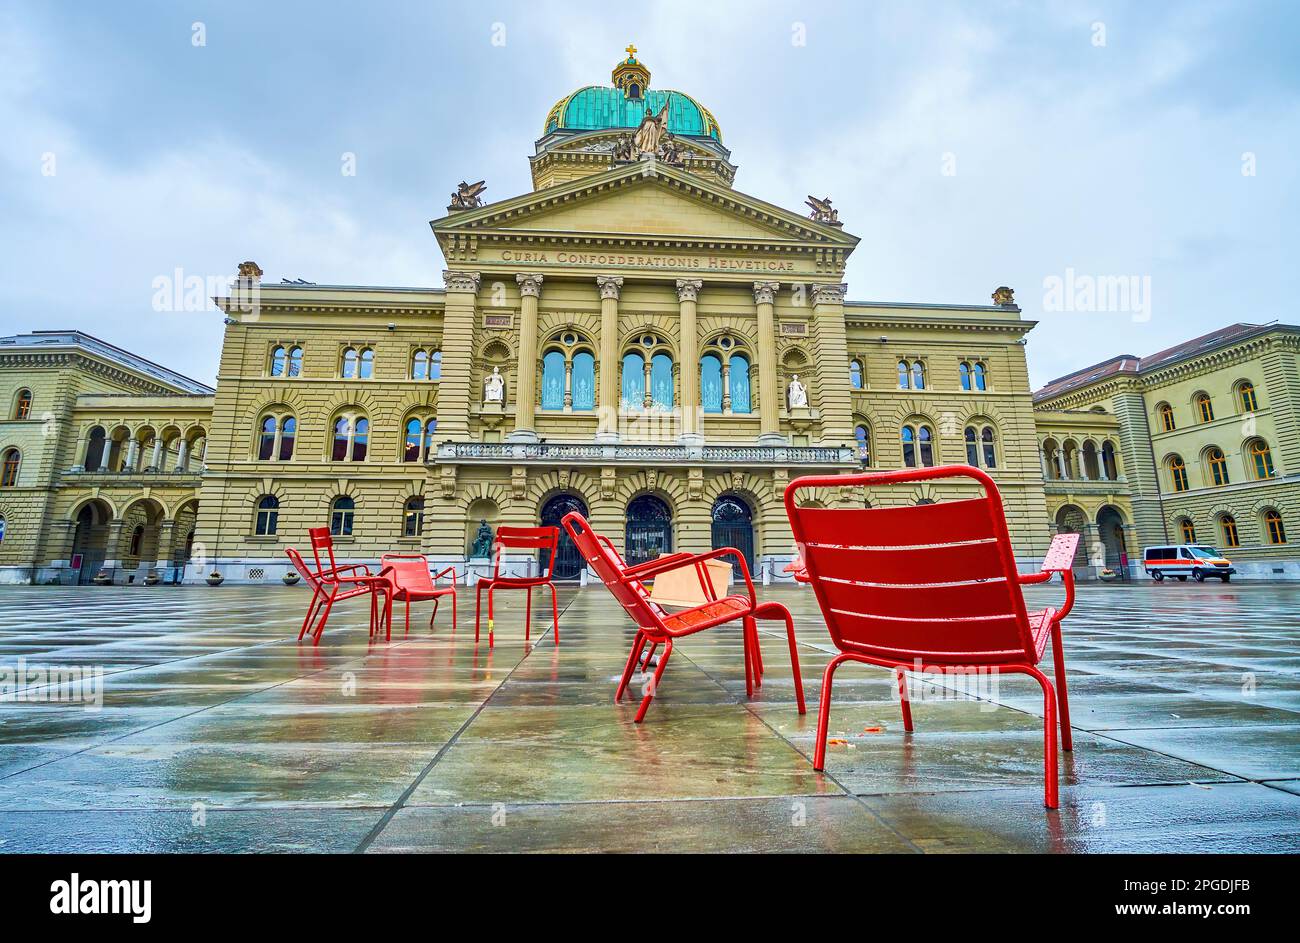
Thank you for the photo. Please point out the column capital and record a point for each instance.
(530, 285)
(461, 281)
(688, 289)
(829, 294)
(611, 286)
(765, 292)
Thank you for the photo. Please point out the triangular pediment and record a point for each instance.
(649, 202)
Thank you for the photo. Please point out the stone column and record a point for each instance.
(831, 393)
(607, 409)
(1042, 460)
(688, 292)
(530, 289)
(454, 395)
(156, 459)
(183, 456)
(132, 455)
(769, 397)
(166, 535)
(1061, 465)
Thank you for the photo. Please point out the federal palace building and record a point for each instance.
(638, 340)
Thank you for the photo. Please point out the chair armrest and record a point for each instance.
(365, 570)
(744, 568)
(1059, 559)
(659, 564)
(441, 573)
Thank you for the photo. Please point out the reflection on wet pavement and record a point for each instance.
(218, 731)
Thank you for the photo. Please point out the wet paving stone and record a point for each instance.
(1185, 701)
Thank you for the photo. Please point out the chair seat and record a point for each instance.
(1040, 629)
(708, 613)
(516, 581)
(403, 592)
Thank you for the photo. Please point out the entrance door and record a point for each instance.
(733, 526)
(89, 541)
(649, 532)
(568, 561)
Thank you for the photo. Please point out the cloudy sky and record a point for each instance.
(970, 145)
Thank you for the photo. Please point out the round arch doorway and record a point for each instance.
(568, 562)
(649, 531)
(90, 539)
(733, 526)
(1110, 528)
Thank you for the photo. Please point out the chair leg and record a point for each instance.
(408, 614)
(453, 608)
(638, 643)
(478, 607)
(654, 682)
(1050, 799)
(491, 624)
(528, 615)
(435, 612)
(824, 712)
(758, 653)
(324, 617)
(794, 661)
(749, 657)
(311, 611)
(1058, 659)
(649, 653)
(903, 699)
(555, 614)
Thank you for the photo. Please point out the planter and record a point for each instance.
(215, 579)
(102, 578)
(153, 579)
(291, 578)
(1108, 576)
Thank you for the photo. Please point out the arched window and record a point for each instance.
(414, 445)
(738, 377)
(1273, 527)
(413, 517)
(1109, 469)
(963, 370)
(350, 357)
(924, 438)
(711, 383)
(661, 382)
(1218, 466)
(1228, 525)
(553, 380)
(137, 539)
(430, 427)
(1246, 396)
(909, 446)
(904, 375)
(1166, 417)
(23, 404)
(863, 436)
(266, 440)
(420, 365)
(583, 381)
(295, 361)
(279, 361)
(1204, 408)
(367, 367)
(1261, 459)
(918, 446)
(918, 375)
(350, 439)
(2, 528)
(1178, 473)
(633, 397)
(990, 453)
(435, 365)
(95, 449)
(1188, 530)
(9, 468)
(288, 433)
(341, 514)
(981, 378)
(267, 520)
(972, 446)
(855, 374)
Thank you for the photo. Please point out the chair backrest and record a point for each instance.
(410, 570)
(321, 540)
(935, 582)
(527, 538)
(296, 559)
(608, 565)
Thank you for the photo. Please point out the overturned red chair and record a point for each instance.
(657, 626)
(411, 581)
(931, 587)
(331, 583)
(536, 539)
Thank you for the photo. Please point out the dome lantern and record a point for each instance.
(630, 76)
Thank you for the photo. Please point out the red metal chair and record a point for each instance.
(519, 538)
(929, 587)
(328, 582)
(656, 626)
(410, 581)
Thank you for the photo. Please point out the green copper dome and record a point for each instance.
(600, 107)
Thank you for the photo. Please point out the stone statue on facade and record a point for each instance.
(669, 152)
(798, 393)
(822, 212)
(468, 196)
(1004, 296)
(482, 549)
(494, 387)
(651, 132)
(623, 148)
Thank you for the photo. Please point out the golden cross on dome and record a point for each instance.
(631, 51)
